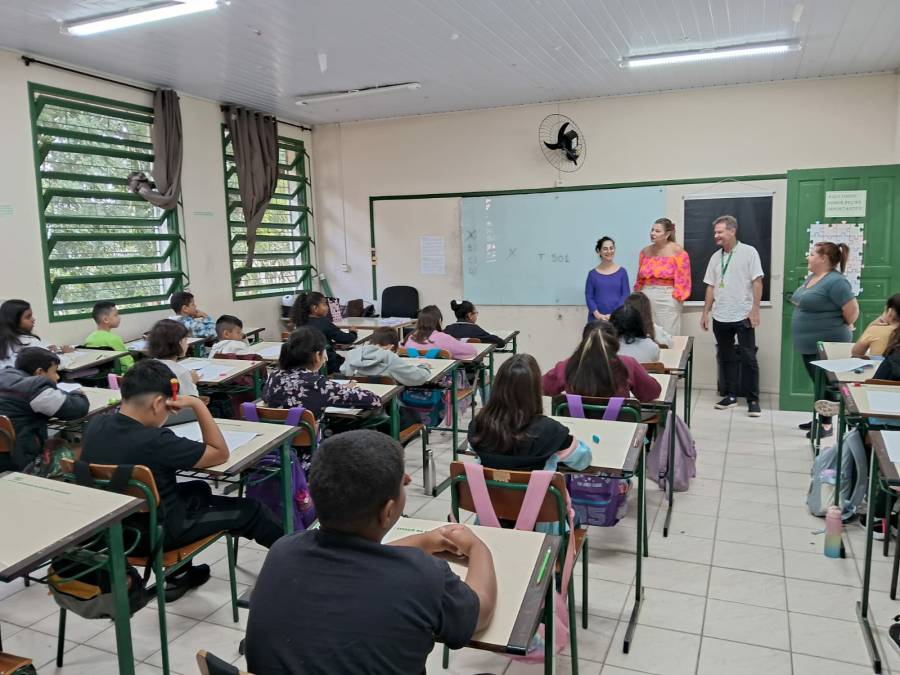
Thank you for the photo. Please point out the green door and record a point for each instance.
(881, 257)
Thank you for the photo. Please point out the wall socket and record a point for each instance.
(345, 267)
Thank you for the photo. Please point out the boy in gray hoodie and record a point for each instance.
(378, 358)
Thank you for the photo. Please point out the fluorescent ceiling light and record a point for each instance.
(711, 54)
(140, 15)
(353, 93)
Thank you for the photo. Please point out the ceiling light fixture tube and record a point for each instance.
(354, 93)
(135, 17)
(711, 54)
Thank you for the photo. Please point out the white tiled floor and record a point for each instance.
(741, 584)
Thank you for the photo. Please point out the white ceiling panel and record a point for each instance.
(467, 54)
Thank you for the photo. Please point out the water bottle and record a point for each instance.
(833, 527)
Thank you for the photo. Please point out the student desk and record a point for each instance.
(99, 401)
(883, 470)
(388, 393)
(823, 378)
(52, 517)
(81, 359)
(139, 346)
(524, 564)
(665, 407)
(508, 336)
(253, 334)
(679, 360)
(232, 369)
(483, 349)
(617, 450)
(355, 323)
(269, 351)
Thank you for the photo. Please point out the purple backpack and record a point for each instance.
(685, 456)
(597, 500)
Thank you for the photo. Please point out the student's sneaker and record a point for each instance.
(878, 532)
(806, 426)
(894, 633)
(726, 403)
(827, 408)
(823, 432)
(753, 409)
(190, 577)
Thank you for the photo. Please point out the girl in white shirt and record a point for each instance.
(16, 326)
(167, 342)
(633, 339)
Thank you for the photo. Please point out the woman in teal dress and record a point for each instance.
(825, 309)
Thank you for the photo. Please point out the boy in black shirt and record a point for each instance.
(188, 510)
(337, 600)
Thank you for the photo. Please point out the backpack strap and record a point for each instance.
(478, 487)
(613, 408)
(575, 404)
(538, 484)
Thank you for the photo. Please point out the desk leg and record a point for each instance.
(549, 637)
(116, 562)
(639, 554)
(257, 384)
(670, 472)
(862, 607)
(287, 499)
(688, 386)
(454, 409)
(395, 418)
(818, 392)
(515, 345)
(842, 423)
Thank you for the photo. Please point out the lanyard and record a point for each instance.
(725, 265)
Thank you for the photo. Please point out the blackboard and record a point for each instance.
(754, 217)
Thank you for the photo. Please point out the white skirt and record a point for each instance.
(666, 309)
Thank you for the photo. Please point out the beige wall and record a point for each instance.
(757, 129)
(21, 267)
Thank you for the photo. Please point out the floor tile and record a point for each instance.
(700, 505)
(748, 557)
(77, 629)
(681, 547)
(827, 638)
(664, 652)
(805, 539)
(721, 656)
(789, 464)
(594, 642)
(760, 533)
(83, 660)
(752, 588)
(467, 661)
(799, 516)
(688, 524)
(816, 567)
(741, 509)
(811, 665)
(766, 494)
(821, 599)
(605, 598)
(28, 606)
(144, 633)
(612, 566)
(674, 575)
(221, 641)
(199, 603)
(749, 475)
(796, 481)
(746, 623)
(38, 647)
(675, 611)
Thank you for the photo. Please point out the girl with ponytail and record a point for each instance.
(311, 309)
(465, 328)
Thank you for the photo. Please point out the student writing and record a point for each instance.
(386, 604)
(465, 327)
(106, 317)
(428, 335)
(311, 309)
(378, 357)
(167, 342)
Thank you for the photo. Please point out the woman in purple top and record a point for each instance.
(607, 284)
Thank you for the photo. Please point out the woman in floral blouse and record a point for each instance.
(664, 275)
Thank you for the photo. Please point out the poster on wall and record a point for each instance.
(432, 258)
(844, 233)
(845, 204)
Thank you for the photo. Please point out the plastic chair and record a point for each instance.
(164, 562)
(597, 405)
(15, 665)
(400, 301)
(507, 493)
(210, 664)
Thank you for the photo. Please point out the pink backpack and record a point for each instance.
(685, 456)
(531, 506)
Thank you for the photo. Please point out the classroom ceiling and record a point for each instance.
(467, 54)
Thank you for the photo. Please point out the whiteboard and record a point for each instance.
(537, 249)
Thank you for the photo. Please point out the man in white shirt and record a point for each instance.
(734, 283)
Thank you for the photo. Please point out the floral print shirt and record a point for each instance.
(313, 391)
(674, 271)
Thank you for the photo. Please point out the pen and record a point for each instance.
(174, 382)
(544, 566)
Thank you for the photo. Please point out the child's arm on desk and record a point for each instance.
(481, 577)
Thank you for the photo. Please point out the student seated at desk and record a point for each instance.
(311, 309)
(298, 382)
(511, 430)
(378, 358)
(427, 335)
(230, 331)
(633, 339)
(335, 600)
(654, 331)
(465, 327)
(29, 397)
(189, 511)
(889, 369)
(106, 316)
(16, 325)
(597, 369)
(198, 323)
(877, 335)
(167, 342)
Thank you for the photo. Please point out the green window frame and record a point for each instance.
(281, 262)
(99, 241)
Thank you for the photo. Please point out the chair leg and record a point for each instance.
(895, 568)
(445, 660)
(61, 640)
(584, 584)
(160, 576)
(573, 627)
(231, 545)
(888, 513)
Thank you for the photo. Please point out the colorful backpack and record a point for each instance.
(597, 500)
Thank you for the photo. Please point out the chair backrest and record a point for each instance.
(400, 301)
(355, 307)
(473, 341)
(654, 367)
(239, 357)
(7, 435)
(104, 472)
(285, 334)
(210, 664)
(114, 381)
(890, 383)
(507, 492)
(374, 379)
(295, 417)
(595, 406)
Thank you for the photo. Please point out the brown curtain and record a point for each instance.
(167, 138)
(254, 139)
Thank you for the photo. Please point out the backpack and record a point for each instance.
(265, 486)
(597, 500)
(854, 473)
(685, 455)
(531, 506)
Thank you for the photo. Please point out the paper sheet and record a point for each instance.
(270, 352)
(137, 345)
(883, 401)
(892, 445)
(432, 259)
(233, 439)
(211, 373)
(843, 365)
(342, 411)
(68, 386)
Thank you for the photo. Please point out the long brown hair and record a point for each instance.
(641, 303)
(594, 368)
(428, 321)
(837, 254)
(515, 401)
(668, 226)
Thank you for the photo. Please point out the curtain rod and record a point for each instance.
(224, 108)
(28, 60)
